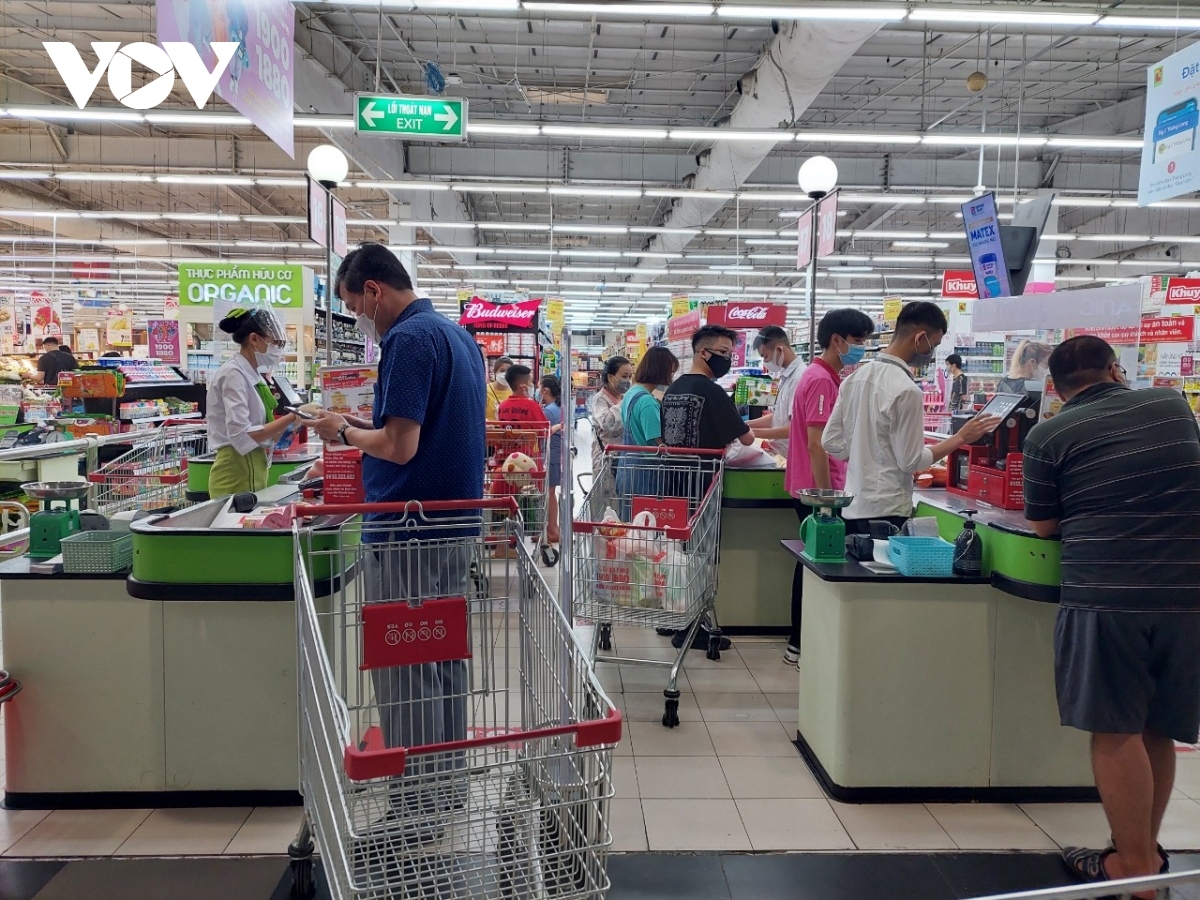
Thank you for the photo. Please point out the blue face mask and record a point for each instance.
(853, 355)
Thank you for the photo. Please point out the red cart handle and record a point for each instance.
(663, 450)
(309, 510)
(364, 765)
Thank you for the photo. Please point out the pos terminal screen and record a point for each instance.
(1001, 405)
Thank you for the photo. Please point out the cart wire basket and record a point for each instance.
(661, 576)
(152, 474)
(455, 744)
(516, 466)
(97, 552)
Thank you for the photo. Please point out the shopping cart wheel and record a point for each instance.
(670, 717)
(302, 869)
(549, 556)
(714, 647)
(606, 637)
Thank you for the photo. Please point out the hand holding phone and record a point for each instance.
(301, 414)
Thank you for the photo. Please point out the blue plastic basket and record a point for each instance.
(921, 557)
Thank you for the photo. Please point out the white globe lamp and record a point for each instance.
(328, 165)
(818, 176)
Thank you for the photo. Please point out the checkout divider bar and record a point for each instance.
(1096, 890)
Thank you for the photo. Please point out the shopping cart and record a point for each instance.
(661, 576)
(486, 772)
(516, 466)
(153, 473)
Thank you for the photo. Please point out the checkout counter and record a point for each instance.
(754, 580)
(173, 685)
(942, 689)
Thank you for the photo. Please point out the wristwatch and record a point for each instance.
(341, 433)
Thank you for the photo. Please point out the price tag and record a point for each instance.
(668, 512)
(396, 634)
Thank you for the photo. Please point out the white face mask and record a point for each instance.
(270, 359)
(501, 380)
(772, 365)
(366, 325)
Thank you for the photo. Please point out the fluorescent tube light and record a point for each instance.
(69, 113)
(1149, 23)
(482, 188)
(993, 16)
(585, 131)
(728, 134)
(842, 13)
(673, 10)
(503, 128)
(569, 191)
(205, 179)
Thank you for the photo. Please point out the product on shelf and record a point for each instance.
(12, 368)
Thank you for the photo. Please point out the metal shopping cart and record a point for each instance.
(517, 466)
(662, 576)
(153, 473)
(454, 742)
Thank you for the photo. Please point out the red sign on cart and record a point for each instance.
(668, 512)
(396, 634)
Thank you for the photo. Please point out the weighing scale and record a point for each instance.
(823, 533)
(51, 524)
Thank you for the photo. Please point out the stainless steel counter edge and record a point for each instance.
(1013, 521)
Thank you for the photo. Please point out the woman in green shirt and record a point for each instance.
(640, 408)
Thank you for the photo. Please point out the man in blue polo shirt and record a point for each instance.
(425, 441)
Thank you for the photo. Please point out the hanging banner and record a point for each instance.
(258, 81)
(891, 309)
(684, 326)
(170, 307)
(318, 213)
(87, 340)
(827, 211)
(8, 323)
(119, 329)
(45, 315)
(340, 247)
(680, 305)
(959, 284)
(747, 315)
(804, 236)
(982, 224)
(1170, 155)
(163, 340)
(555, 319)
(487, 315)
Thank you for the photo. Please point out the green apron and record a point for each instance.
(233, 473)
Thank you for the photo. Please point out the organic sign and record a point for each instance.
(201, 284)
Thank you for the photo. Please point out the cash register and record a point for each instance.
(992, 469)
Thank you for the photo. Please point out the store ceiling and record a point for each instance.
(592, 185)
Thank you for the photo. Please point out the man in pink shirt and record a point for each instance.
(840, 336)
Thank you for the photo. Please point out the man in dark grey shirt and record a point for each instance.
(1117, 473)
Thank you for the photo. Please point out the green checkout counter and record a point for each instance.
(200, 467)
(173, 686)
(939, 690)
(754, 579)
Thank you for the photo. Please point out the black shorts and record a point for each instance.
(1127, 672)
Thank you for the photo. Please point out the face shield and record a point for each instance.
(269, 324)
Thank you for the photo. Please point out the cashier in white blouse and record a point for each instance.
(242, 426)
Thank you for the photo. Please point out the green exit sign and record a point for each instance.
(415, 118)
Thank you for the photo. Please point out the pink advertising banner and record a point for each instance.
(163, 338)
(258, 81)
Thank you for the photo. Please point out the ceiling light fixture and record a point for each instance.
(586, 131)
(1149, 23)
(843, 13)
(569, 191)
(470, 188)
(503, 129)
(672, 10)
(728, 134)
(994, 16)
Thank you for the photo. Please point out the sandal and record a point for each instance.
(1162, 854)
(1087, 864)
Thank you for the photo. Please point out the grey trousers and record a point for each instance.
(426, 703)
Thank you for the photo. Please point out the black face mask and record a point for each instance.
(719, 364)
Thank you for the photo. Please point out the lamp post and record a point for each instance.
(328, 166)
(818, 176)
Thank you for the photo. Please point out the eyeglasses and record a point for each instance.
(1121, 369)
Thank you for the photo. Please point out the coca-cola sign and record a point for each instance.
(478, 313)
(1183, 291)
(960, 285)
(747, 315)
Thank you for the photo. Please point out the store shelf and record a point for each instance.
(136, 419)
(320, 311)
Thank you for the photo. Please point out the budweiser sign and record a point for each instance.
(747, 315)
(960, 285)
(1183, 291)
(477, 313)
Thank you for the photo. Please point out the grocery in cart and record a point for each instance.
(516, 466)
(454, 741)
(645, 554)
(153, 473)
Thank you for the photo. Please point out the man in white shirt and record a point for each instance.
(878, 423)
(780, 360)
